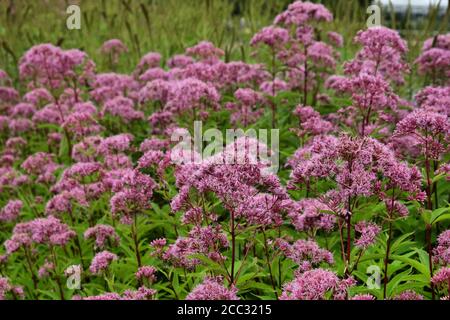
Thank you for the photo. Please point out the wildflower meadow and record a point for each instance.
(305, 162)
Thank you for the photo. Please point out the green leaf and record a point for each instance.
(436, 214)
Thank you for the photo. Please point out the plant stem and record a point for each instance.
(435, 186)
(77, 240)
(233, 246)
(272, 103)
(428, 228)
(58, 281)
(349, 230)
(135, 240)
(279, 260)
(386, 260)
(30, 266)
(430, 256)
(305, 80)
(266, 250)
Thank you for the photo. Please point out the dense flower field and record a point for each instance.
(97, 204)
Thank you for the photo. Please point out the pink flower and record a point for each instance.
(38, 97)
(149, 60)
(46, 269)
(271, 88)
(48, 231)
(101, 262)
(132, 193)
(65, 201)
(442, 277)
(25, 110)
(81, 124)
(314, 285)
(142, 293)
(123, 108)
(9, 94)
(435, 58)
(271, 36)
(201, 240)
(153, 74)
(382, 54)
(311, 122)
(103, 234)
(87, 149)
(308, 215)
(335, 38)
(300, 13)
(368, 232)
(441, 254)
(428, 127)
(153, 144)
(114, 48)
(51, 66)
(7, 288)
(305, 253)
(363, 297)
(205, 50)
(212, 288)
(146, 272)
(434, 99)
(11, 210)
(408, 295)
(155, 91)
(115, 144)
(179, 61)
(42, 166)
(246, 110)
(110, 85)
(191, 94)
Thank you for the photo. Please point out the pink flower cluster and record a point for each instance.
(11, 211)
(316, 284)
(48, 231)
(114, 48)
(101, 262)
(103, 235)
(212, 288)
(305, 253)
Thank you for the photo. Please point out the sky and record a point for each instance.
(414, 2)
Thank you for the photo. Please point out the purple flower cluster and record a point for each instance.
(101, 262)
(305, 253)
(368, 232)
(103, 235)
(11, 210)
(49, 231)
(316, 284)
(212, 288)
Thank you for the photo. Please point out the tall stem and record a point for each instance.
(390, 211)
(233, 246)
(430, 257)
(279, 260)
(386, 260)
(266, 250)
(30, 266)
(435, 186)
(305, 79)
(349, 240)
(55, 265)
(77, 240)
(135, 240)
(272, 103)
(428, 229)
(349, 233)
